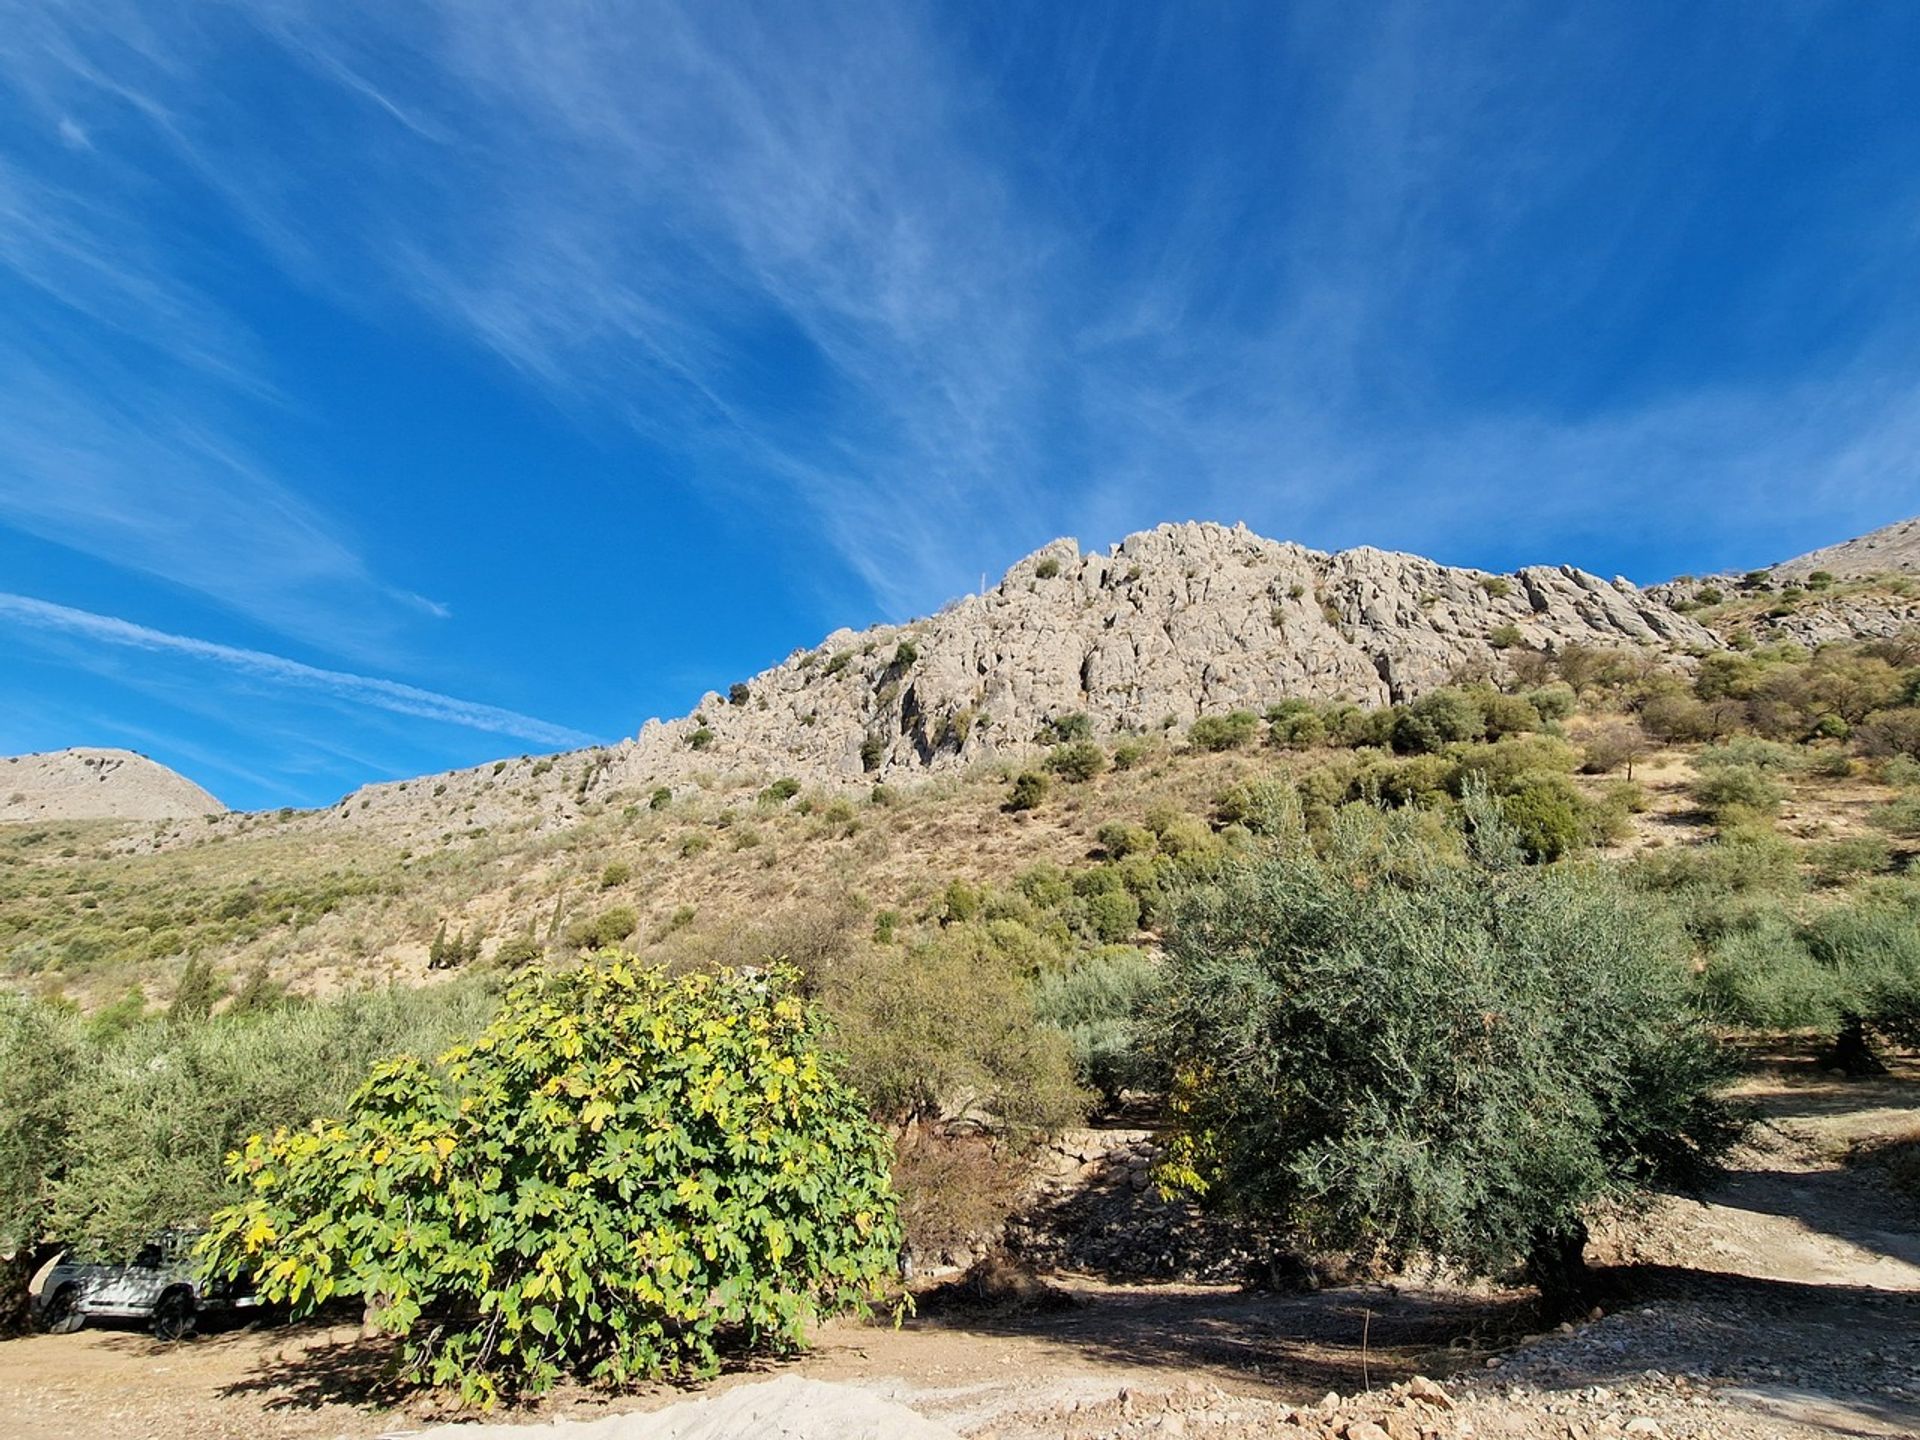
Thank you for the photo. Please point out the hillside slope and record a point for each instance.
(89, 784)
(1889, 550)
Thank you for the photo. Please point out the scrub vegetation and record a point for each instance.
(1552, 898)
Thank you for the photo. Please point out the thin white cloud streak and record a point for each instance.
(365, 690)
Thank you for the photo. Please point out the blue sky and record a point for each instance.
(390, 387)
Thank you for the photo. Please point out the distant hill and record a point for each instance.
(1892, 550)
(87, 784)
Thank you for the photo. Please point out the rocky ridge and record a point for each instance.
(1892, 549)
(1166, 626)
(90, 784)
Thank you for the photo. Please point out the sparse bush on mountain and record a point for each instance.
(1233, 731)
(1029, 791)
(627, 1176)
(608, 927)
(518, 951)
(1066, 729)
(1076, 761)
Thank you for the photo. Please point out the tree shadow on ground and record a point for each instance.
(1333, 1339)
(324, 1365)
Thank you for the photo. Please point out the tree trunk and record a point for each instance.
(1852, 1050)
(1557, 1266)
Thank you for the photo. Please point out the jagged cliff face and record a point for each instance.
(1171, 624)
(88, 784)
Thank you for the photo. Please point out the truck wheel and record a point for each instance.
(174, 1316)
(63, 1315)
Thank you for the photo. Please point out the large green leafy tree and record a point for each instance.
(625, 1173)
(1404, 1049)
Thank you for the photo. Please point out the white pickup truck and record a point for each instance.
(163, 1284)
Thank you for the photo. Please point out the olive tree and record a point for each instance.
(1398, 1048)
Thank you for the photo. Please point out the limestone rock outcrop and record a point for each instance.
(1168, 625)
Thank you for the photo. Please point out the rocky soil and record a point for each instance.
(86, 784)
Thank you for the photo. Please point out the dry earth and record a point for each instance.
(1785, 1304)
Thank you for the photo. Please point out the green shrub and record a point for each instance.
(960, 902)
(1838, 862)
(1506, 715)
(1553, 702)
(1874, 951)
(904, 654)
(1100, 1005)
(739, 693)
(1076, 761)
(873, 750)
(949, 1025)
(1120, 840)
(1265, 807)
(1399, 1053)
(1435, 720)
(166, 1103)
(1127, 754)
(1064, 729)
(1233, 731)
(626, 1173)
(1548, 816)
(1046, 569)
(1505, 637)
(199, 989)
(43, 1055)
(661, 798)
(1762, 976)
(1296, 725)
(1112, 916)
(781, 790)
(615, 873)
(516, 952)
(700, 739)
(1498, 586)
(1029, 791)
(1754, 753)
(1729, 792)
(1900, 816)
(609, 927)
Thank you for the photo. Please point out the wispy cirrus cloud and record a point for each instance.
(339, 685)
(1295, 267)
